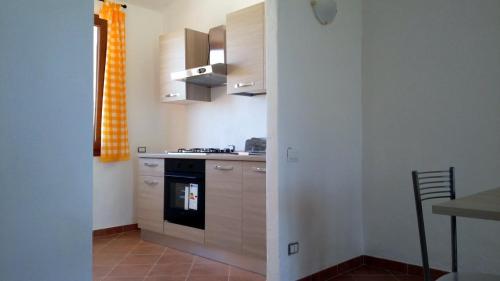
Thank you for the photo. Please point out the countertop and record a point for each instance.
(210, 156)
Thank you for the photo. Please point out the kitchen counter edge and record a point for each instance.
(227, 157)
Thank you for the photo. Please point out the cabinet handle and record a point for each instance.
(259, 169)
(148, 182)
(242, 85)
(172, 95)
(151, 165)
(224, 168)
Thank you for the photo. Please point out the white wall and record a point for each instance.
(45, 140)
(272, 153)
(114, 182)
(431, 99)
(318, 107)
(227, 119)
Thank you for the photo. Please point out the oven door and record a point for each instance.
(185, 199)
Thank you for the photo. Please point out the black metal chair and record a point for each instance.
(436, 185)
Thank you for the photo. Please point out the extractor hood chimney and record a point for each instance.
(214, 73)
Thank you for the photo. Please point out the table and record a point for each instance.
(482, 205)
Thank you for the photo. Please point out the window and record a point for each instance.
(100, 40)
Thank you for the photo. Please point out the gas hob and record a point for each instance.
(203, 151)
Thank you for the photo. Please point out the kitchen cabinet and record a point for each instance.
(184, 232)
(150, 203)
(245, 50)
(235, 211)
(223, 209)
(235, 216)
(151, 167)
(254, 209)
(181, 50)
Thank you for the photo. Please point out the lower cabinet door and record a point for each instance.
(223, 210)
(150, 203)
(254, 209)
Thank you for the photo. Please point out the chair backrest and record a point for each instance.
(429, 185)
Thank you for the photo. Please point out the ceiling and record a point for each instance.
(150, 4)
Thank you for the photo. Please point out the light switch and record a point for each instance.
(293, 248)
(292, 155)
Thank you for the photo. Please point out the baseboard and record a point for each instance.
(114, 230)
(390, 265)
(335, 270)
(400, 267)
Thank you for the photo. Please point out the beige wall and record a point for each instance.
(227, 119)
(200, 14)
(159, 126)
(114, 182)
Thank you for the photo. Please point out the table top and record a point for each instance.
(482, 205)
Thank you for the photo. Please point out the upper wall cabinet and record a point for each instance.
(178, 51)
(246, 51)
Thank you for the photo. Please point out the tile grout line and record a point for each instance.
(124, 257)
(93, 253)
(396, 277)
(154, 264)
(148, 274)
(191, 267)
(118, 262)
(105, 245)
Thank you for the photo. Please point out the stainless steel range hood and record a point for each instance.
(213, 74)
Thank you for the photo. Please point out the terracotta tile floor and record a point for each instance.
(366, 273)
(125, 257)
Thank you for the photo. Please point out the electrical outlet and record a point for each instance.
(292, 155)
(141, 149)
(293, 248)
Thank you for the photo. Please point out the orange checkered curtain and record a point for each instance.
(114, 131)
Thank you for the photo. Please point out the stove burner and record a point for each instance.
(205, 150)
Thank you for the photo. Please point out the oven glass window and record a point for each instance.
(183, 196)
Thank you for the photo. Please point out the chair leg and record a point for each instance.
(454, 250)
(421, 228)
(423, 246)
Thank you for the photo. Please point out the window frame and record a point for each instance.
(102, 25)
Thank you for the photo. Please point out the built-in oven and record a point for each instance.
(185, 192)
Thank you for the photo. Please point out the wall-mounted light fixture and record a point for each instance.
(324, 10)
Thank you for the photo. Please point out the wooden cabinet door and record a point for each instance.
(152, 167)
(179, 51)
(254, 209)
(172, 58)
(245, 51)
(223, 210)
(150, 203)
